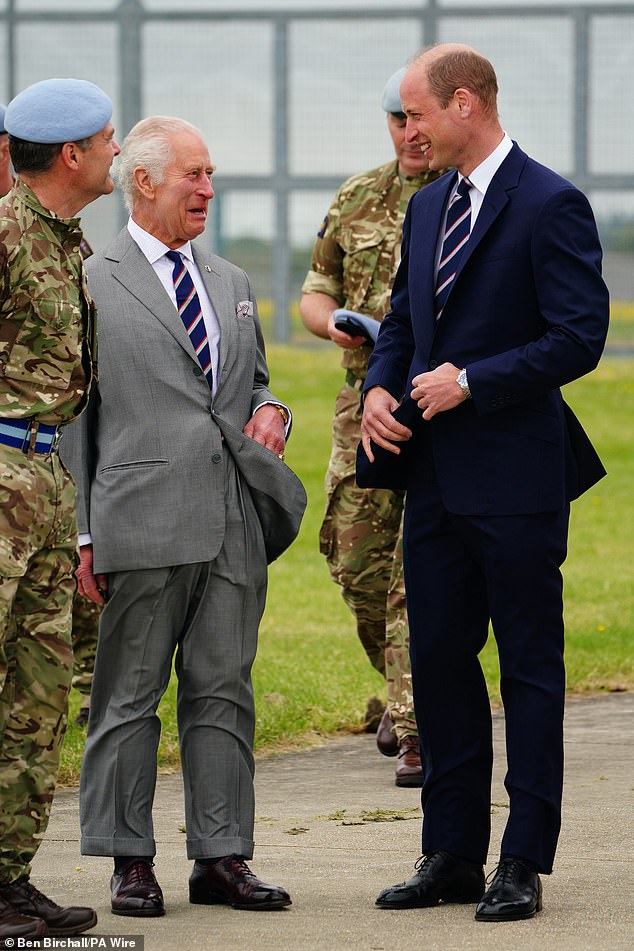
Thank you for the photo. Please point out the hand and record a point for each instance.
(266, 426)
(378, 423)
(342, 339)
(437, 391)
(93, 587)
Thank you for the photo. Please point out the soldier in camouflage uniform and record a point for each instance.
(86, 614)
(353, 266)
(47, 346)
(85, 630)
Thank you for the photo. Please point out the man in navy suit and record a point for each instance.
(498, 301)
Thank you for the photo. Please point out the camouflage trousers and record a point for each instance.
(86, 616)
(362, 539)
(37, 562)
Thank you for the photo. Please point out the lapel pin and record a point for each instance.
(207, 268)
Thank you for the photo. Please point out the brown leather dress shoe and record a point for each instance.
(386, 737)
(136, 892)
(14, 925)
(230, 881)
(409, 769)
(27, 900)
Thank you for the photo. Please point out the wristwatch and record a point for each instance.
(282, 411)
(462, 382)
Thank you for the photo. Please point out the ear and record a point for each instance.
(144, 184)
(70, 155)
(463, 102)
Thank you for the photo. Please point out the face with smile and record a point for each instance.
(411, 160)
(175, 210)
(435, 131)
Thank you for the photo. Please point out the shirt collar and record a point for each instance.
(151, 247)
(482, 176)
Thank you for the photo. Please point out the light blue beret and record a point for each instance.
(3, 109)
(392, 93)
(58, 110)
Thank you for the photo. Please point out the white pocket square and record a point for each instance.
(244, 308)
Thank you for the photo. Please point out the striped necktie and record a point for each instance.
(457, 230)
(190, 313)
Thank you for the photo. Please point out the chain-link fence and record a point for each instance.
(287, 94)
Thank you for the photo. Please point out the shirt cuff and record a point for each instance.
(287, 425)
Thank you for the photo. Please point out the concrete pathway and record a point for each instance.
(323, 832)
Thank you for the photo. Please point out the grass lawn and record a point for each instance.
(311, 676)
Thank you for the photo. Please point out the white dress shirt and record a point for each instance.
(155, 251)
(481, 177)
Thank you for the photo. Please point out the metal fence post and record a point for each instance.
(281, 250)
(130, 18)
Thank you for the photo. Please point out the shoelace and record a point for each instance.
(35, 895)
(138, 873)
(408, 747)
(425, 862)
(241, 864)
(507, 869)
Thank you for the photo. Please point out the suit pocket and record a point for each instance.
(529, 423)
(135, 464)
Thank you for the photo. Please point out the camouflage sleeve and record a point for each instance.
(326, 266)
(4, 274)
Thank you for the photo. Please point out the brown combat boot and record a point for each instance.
(13, 925)
(409, 768)
(63, 922)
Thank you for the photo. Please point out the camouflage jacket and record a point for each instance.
(357, 250)
(47, 317)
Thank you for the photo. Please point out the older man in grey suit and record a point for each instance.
(183, 498)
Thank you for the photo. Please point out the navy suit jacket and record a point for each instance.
(527, 313)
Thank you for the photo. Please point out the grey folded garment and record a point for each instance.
(357, 325)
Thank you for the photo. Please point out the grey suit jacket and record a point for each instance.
(147, 453)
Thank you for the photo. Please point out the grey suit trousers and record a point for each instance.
(208, 613)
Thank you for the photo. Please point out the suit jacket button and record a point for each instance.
(217, 457)
(433, 364)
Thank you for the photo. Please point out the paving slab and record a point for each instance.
(334, 829)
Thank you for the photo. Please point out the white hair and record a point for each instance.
(148, 145)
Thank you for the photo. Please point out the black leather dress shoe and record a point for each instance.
(59, 921)
(514, 893)
(230, 881)
(136, 892)
(386, 740)
(439, 877)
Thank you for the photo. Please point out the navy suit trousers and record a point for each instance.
(461, 572)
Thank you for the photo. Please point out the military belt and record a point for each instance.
(355, 381)
(29, 435)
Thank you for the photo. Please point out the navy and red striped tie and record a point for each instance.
(457, 230)
(190, 312)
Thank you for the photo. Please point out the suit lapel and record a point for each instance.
(425, 244)
(495, 199)
(134, 272)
